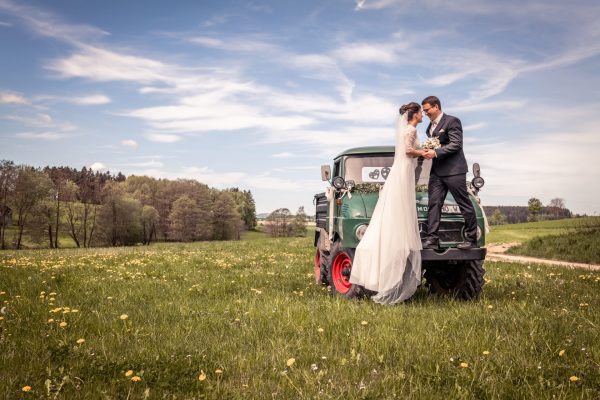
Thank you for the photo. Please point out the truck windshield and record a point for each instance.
(368, 168)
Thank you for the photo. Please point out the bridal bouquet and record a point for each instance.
(431, 144)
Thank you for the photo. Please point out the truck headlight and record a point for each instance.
(478, 182)
(360, 231)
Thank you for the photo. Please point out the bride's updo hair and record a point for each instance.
(410, 108)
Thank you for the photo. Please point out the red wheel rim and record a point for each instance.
(318, 267)
(340, 272)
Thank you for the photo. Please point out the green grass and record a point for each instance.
(576, 239)
(248, 307)
(581, 246)
(525, 231)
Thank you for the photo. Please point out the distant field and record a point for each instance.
(244, 320)
(522, 232)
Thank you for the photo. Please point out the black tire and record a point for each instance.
(463, 280)
(339, 265)
(321, 258)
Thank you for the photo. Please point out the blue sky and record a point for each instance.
(259, 94)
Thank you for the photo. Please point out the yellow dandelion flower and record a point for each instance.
(136, 379)
(364, 323)
(124, 316)
(1, 318)
(80, 341)
(62, 324)
(26, 388)
(573, 378)
(218, 371)
(129, 373)
(490, 306)
(561, 353)
(51, 320)
(74, 310)
(320, 330)
(290, 362)
(485, 353)
(202, 376)
(464, 365)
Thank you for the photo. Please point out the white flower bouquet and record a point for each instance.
(431, 143)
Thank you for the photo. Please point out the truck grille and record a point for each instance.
(450, 231)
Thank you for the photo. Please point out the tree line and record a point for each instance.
(97, 208)
(534, 211)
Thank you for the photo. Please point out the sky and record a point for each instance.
(259, 94)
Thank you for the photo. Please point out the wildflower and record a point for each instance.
(561, 353)
(136, 379)
(80, 341)
(320, 330)
(485, 353)
(573, 378)
(62, 324)
(124, 317)
(291, 362)
(202, 376)
(1, 318)
(490, 306)
(464, 365)
(26, 388)
(364, 323)
(129, 373)
(51, 320)
(218, 371)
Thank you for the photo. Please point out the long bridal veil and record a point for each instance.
(388, 258)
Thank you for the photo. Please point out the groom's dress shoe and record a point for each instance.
(430, 244)
(466, 245)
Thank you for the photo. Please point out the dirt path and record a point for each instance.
(496, 252)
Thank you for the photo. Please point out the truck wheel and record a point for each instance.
(339, 266)
(321, 267)
(463, 280)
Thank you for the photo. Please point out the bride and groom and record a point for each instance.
(388, 258)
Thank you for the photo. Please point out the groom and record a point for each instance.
(448, 173)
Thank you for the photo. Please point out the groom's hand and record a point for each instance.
(429, 154)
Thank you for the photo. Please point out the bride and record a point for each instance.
(388, 258)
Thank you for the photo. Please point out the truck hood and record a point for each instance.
(362, 205)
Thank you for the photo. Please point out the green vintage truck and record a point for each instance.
(343, 213)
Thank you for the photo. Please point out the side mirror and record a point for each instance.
(325, 172)
(476, 170)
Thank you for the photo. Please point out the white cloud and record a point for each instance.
(5, 24)
(97, 166)
(41, 135)
(12, 98)
(129, 143)
(48, 24)
(283, 155)
(162, 138)
(96, 99)
(366, 53)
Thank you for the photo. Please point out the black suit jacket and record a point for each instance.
(450, 158)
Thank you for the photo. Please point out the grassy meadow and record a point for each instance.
(576, 239)
(245, 320)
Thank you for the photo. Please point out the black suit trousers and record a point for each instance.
(438, 189)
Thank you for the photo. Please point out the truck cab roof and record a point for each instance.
(367, 150)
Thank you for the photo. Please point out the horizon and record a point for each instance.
(258, 95)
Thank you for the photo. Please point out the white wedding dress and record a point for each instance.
(388, 258)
